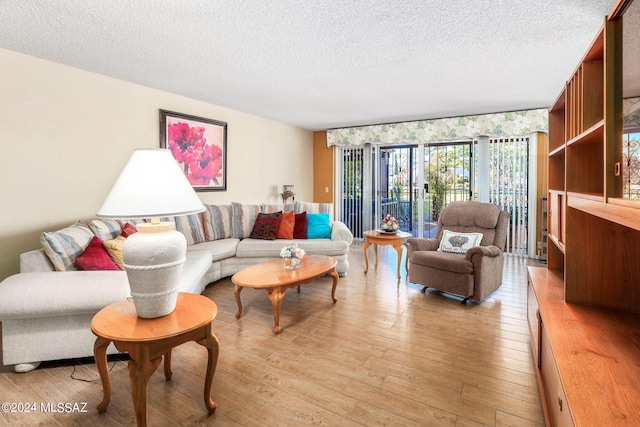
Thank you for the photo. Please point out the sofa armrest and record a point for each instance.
(60, 293)
(419, 244)
(34, 261)
(339, 231)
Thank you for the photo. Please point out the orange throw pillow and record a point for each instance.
(286, 226)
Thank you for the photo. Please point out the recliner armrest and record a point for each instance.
(489, 251)
(419, 244)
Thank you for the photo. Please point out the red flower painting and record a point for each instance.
(199, 149)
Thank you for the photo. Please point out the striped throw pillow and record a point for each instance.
(192, 228)
(105, 229)
(315, 208)
(217, 222)
(64, 246)
(243, 217)
(266, 208)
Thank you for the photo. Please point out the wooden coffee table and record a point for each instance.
(148, 340)
(275, 279)
(375, 238)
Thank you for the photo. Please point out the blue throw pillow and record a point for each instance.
(318, 226)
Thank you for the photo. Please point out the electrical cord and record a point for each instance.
(116, 358)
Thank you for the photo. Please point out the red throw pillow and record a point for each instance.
(95, 257)
(266, 226)
(129, 229)
(300, 227)
(286, 226)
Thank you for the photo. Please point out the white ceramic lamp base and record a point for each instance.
(153, 258)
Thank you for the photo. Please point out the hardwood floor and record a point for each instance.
(385, 354)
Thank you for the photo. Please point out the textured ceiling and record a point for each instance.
(320, 64)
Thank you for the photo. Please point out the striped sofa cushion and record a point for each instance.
(243, 217)
(217, 222)
(266, 208)
(309, 207)
(192, 227)
(64, 246)
(105, 229)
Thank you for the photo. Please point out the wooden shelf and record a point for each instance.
(618, 214)
(593, 135)
(557, 116)
(586, 196)
(555, 256)
(630, 203)
(556, 242)
(584, 92)
(557, 171)
(585, 161)
(557, 151)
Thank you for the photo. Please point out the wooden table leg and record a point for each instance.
(167, 365)
(375, 251)
(406, 261)
(276, 295)
(140, 370)
(366, 258)
(398, 249)
(236, 293)
(100, 355)
(210, 341)
(334, 275)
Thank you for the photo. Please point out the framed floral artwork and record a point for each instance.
(199, 146)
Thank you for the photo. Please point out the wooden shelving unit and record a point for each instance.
(584, 308)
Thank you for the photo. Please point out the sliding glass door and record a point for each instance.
(448, 177)
(397, 183)
(415, 182)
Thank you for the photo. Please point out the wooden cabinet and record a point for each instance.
(556, 410)
(586, 357)
(558, 413)
(586, 354)
(533, 318)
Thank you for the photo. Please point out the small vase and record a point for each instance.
(291, 263)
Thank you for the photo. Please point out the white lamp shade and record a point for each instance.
(151, 185)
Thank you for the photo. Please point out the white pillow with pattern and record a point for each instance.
(459, 243)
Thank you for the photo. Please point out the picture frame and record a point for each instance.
(199, 145)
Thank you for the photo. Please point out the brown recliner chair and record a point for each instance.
(474, 274)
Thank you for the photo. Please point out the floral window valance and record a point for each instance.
(514, 123)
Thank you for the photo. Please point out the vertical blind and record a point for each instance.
(509, 187)
(351, 191)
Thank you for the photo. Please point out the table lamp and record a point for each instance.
(152, 185)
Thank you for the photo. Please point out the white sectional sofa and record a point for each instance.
(46, 314)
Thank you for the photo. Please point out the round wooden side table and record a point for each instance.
(148, 340)
(375, 238)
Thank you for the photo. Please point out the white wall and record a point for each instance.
(65, 135)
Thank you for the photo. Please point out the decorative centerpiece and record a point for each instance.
(390, 224)
(292, 256)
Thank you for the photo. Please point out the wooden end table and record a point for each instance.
(375, 238)
(275, 279)
(147, 340)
